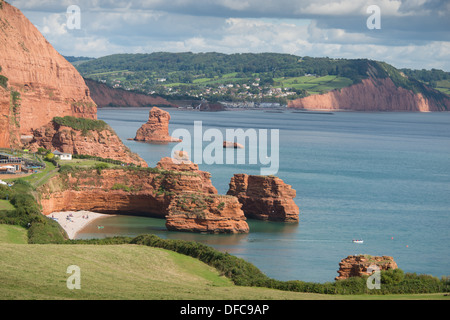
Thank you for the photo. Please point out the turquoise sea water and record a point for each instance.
(381, 177)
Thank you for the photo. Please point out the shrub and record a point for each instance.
(392, 276)
(49, 156)
(42, 150)
(120, 186)
(100, 166)
(81, 124)
(46, 231)
(3, 82)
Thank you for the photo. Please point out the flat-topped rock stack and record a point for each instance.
(265, 197)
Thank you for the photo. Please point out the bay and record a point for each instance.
(381, 177)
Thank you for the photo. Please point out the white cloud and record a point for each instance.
(54, 25)
(414, 33)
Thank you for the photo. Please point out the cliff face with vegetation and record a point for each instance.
(84, 137)
(384, 89)
(186, 198)
(133, 191)
(41, 84)
(38, 85)
(105, 96)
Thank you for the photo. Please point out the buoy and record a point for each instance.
(392, 238)
(407, 246)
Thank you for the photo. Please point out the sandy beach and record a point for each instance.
(73, 221)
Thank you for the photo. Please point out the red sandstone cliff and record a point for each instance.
(104, 143)
(186, 199)
(5, 134)
(372, 95)
(194, 212)
(105, 96)
(48, 85)
(42, 85)
(357, 266)
(145, 191)
(187, 166)
(265, 197)
(156, 130)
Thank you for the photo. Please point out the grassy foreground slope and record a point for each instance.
(125, 272)
(114, 272)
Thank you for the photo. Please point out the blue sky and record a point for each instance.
(414, 33)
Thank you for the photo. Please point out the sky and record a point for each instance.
(405, 33)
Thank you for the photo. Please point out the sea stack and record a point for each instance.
(206, 213)
(156, 130)
(230, 144)
(360, 265)
(265, 197)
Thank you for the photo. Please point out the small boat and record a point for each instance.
(358, 241)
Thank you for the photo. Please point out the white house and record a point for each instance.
(62, 155)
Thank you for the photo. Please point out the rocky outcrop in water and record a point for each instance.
(265, 197)
(230, 144)
(156, 130)
(358, 265)
(206, 213)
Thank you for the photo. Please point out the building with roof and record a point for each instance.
(62, 155)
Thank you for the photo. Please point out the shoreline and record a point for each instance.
(75, 221)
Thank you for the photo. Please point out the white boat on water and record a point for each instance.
(358, 241)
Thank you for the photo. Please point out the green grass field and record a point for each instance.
(39, 178)
(314, 85)
(12, 234)
(83, 163)
(125, 272)
(444, 86)
(6, 205)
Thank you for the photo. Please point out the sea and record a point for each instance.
(383, 178)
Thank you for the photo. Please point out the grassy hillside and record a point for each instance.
(126, 272)
(262, 77)
(113, 272)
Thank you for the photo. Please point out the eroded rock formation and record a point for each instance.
(105, 96)
(230, 144)
(265, 197)
(101, 143)
(185, 165)
(207, 213)
(41, 83)
(359, 265)
(186, 198)
(143, 191)
(373, 95)
(156, 130)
